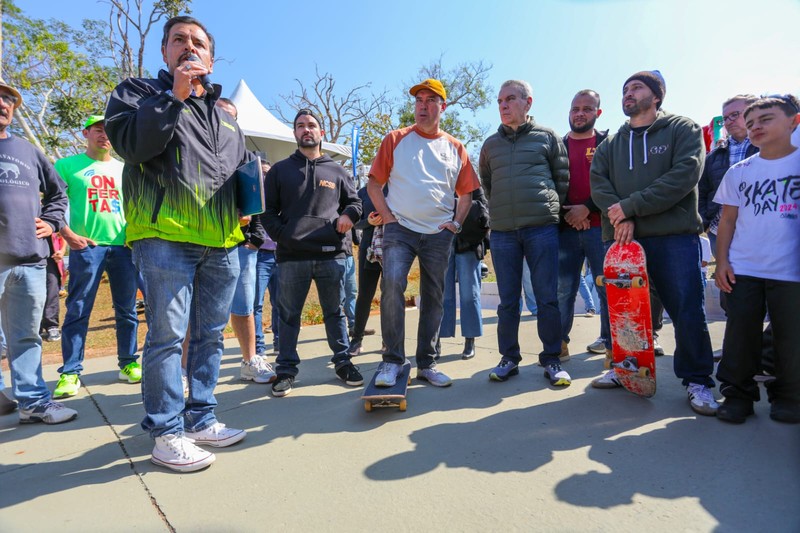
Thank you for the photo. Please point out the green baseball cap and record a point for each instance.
(92, 120)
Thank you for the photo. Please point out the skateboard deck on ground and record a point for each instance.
(628, 295)
(395, 396)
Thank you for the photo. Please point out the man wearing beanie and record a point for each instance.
(644, 180)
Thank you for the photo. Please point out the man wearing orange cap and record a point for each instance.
(426, 168)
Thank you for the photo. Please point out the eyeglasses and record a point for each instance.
(9, 99)
(730, 117)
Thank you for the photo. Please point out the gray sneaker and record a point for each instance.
(257, 370)
(47, 413)
(598, 346)
(504, 370)
(434, 377)
(387, 374)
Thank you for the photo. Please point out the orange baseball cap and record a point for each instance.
(432, 85)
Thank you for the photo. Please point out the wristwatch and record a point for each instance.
(457, 224)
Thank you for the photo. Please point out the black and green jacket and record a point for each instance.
(653, 175)
(180, 159)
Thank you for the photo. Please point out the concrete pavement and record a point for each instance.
(478, 456)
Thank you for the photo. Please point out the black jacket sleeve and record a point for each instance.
(141, 119)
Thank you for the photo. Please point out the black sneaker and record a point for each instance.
(785, 411)
(350, 375)
(283, 385)
(735, 410)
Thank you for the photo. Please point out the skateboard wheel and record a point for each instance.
(600, 280)
(367, 406)
(607, 363)
(644, 372)
(403, 405)
(637, 281)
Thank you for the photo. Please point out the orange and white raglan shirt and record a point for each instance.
(425, 173)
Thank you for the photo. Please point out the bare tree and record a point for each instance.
(339, 111)
(128, 21)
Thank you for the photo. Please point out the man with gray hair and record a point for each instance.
(732, 150)
(525, 173)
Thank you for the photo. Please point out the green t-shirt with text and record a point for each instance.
(94, 189)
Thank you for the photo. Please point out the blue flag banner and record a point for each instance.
(354, 147)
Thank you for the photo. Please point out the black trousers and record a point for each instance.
(743, 343)
(368, 277)
(50, 314)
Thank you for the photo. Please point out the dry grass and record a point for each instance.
(101, 339)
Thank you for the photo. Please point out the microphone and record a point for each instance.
(204, 79)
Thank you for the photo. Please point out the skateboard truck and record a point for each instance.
(631, 364)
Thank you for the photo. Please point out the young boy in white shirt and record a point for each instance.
(758, 263)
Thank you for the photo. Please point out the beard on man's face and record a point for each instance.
(587, 126)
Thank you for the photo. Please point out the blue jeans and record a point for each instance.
(188, 286)
(539, 247)
(86, 267)
(400, 247)
(573, 247)
(266, 276)
(22, 296)
(350, 291)
(673, 266)
(295, 280)
(527, 290)
(465, 268)
(245, 293)
(586, 288)
(712, 239)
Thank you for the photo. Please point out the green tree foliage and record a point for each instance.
(467, 92)
(373, 130)
(60, 82)
(65, 73)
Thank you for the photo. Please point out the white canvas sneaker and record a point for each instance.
(177, 452)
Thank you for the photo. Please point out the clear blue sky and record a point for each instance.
(707, 50)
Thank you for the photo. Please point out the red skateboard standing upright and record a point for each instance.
(628, 295)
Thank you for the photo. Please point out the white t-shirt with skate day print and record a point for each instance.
(766, 242)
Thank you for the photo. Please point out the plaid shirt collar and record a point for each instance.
(737, 150)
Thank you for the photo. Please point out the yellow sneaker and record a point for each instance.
(132, 373)
(68, 385)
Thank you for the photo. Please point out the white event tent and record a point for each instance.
(263, 132)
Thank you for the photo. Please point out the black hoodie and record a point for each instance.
(304, 198)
